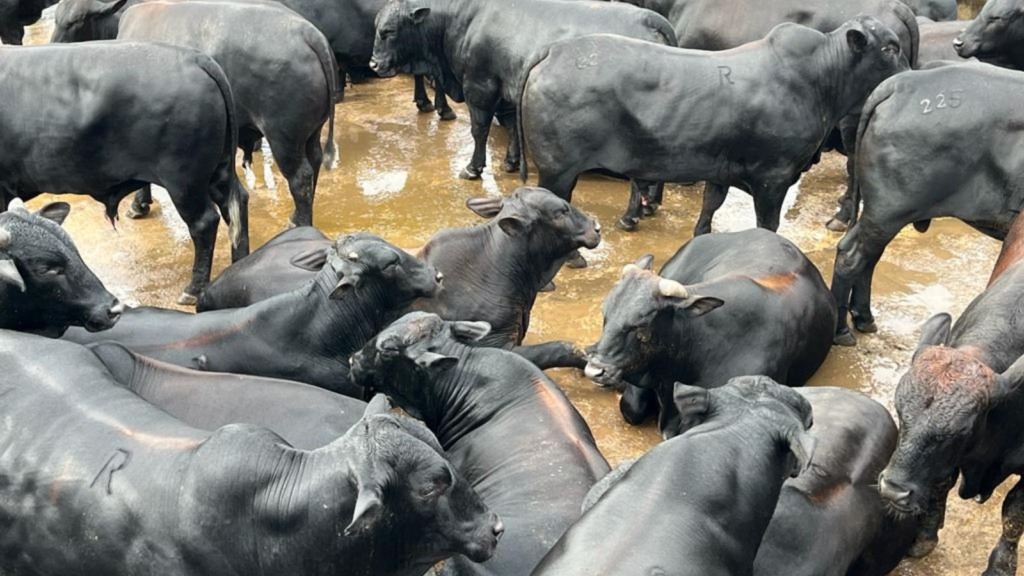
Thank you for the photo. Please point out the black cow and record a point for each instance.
(500, 420)
(118, 115)
(698, 504)
(829, 520)
(289, 105)
(939, 121)
(668, 114)
(347, 25)
(775, 317)
(306, 335)
(478, 50)
(16, 14)
(98, 481)
(960, 407)
(529, 236)
(45, 287)
(307, 417)
(996, 32)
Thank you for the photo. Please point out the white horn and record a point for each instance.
(672, 289)
(630, 269)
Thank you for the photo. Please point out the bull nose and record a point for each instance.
(893, 492)
(115, 310)
(373, 64)
(597, 226)
(439, 276)
(593, 371)
(958, 42)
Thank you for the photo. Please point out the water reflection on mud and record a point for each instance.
(398, 178)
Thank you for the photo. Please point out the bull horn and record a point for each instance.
(672, 289)
(630, 269)
(17, 204)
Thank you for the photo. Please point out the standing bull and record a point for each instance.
(118, 115)
(754, 117)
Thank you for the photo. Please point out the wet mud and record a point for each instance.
(398, 178)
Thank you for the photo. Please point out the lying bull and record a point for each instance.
(478, 52)
(45, 287)
(500, 420)
(306, 417)
(99, 481)
(118, 115)
(305, 335)
(938, 120)
(529, 235)
(829, 520)
(16, 14)
(996, 32)
(288, 105)
(960, 407)
(700, 116)
(775, 319)
(709, 493)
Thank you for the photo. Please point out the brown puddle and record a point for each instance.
(398, 178)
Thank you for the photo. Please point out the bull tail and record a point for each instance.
(537, 58)
(906, 15)
(884, 91)
(236, 194)
(662, 28)
(318, 43)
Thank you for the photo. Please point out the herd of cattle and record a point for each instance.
(260, 434)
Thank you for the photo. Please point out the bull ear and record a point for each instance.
(857, 40)
(347, 282)
(485, 207)
(801, 444)
(470, 331)
(1009, 382)
(692, 403)
(312, 260)
(935, 332)
(106, 8)
(436, 362)
(368, 509)
(55, 211)
(9, 275)
(379, 405)
(512, 225)
(419, 14)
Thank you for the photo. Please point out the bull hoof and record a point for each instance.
(509, 166)
(470, 173)
(648, 210)
(627, 224)
(844, 338)
(576, 261)
(922, 547)
(549, 287)
(424, 106)
(187, 299)
(447, 114)
(868, 327)
(836, 225)
(136, 211)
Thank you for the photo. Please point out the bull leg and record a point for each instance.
(232, 199)
(1003, 559)
(444, 110)
(480, 120)
(652, 200)
(933, 520)
(768, 206)
(629, 220)
(197, 211)
(638, 405)
(714, 197)
(298, 171)
(419, 91)
(856, 256)
(860, 302)
(140, 206)
(315, 156)
(842, 218)
(507, 118)
(556, 354)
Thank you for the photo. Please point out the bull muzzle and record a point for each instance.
(105, 317)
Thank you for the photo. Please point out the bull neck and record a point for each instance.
(832, 57)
